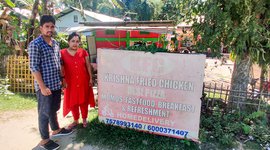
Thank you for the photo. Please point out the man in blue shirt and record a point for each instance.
(45, 66)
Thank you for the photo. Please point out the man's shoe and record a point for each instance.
(50, 145)
(63, 131)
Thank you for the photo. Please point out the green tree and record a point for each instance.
(236, 23)
(38, 8)
(7, 3)
(70, 3)
(8, 22)
(144, 10)
(24, 4)
(47, 7)
(6, 30)
(87, 4)
(264, 60)
(147, 11)
(169, 10)
(157, 5)
(108, 9)
(30, 32)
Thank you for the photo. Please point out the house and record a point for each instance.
(71, 17)
(117, 35)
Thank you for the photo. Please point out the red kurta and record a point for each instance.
(77, 78)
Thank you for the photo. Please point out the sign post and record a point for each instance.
(159, 93)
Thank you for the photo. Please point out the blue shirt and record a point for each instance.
(45, 59)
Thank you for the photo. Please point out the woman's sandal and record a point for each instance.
(72, 125)
(84, 124)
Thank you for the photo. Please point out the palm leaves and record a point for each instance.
(118, 4)
(9, 3)
(27, 4)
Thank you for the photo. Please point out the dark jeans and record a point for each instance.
(47, 108)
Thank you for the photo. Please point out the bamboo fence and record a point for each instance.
(19, 75)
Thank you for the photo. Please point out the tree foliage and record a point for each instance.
(157, 5)
(7, 23)
(144, 9)
(141, 9)
(109, 9)
(241, 25)
(170, 10)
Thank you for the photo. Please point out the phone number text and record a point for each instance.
(151, 128)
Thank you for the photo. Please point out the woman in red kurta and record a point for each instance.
(78, 93)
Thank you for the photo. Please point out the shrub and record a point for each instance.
(62, 39)
(224, 129)
(5, 50)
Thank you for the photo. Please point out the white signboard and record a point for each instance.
(159, 93)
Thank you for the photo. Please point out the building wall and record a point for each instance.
(67, 21)
(122, 38)
(142, 34)
(110, 44)
(117, 39)
(112, 34)
(110, 38)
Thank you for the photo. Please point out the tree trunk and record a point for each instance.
(4, 23)
(240, 80)
(263, 77)
(32, 23)
(19, 44)
(82, 11)
(44, 7)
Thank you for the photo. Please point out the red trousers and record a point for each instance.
(76, 113)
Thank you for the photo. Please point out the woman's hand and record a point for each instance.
(64, 84)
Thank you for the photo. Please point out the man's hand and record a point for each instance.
(45, 91)
(43, 88)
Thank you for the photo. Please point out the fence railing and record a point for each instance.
(222, 96)
(19, 75)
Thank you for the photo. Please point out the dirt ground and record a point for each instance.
(18, 130)
(216, 72)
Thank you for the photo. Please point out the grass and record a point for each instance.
(14, 102)
(115, 138)
(251, 145)
(17, 102)
(216, 96)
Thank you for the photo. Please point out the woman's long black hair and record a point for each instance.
(73, 34)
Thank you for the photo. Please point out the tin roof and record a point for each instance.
(97, 16)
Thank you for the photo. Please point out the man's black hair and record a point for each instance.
(73, 34)
(46, 19)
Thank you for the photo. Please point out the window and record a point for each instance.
(109, 32)
(144, 32)
(75, 18)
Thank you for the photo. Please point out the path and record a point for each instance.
(19, 132)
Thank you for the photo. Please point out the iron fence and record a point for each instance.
(222, 96)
